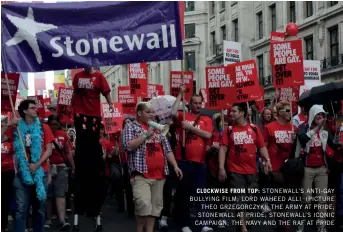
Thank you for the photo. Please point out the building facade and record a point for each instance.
(195, 53)
(250, 23)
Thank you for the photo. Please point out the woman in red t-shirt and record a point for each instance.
(60, 159)
(7, 177)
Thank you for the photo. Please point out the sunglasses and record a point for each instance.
(285, 110)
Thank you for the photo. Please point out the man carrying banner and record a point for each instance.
(191, 157)
(31, 181)
(89, 165)
(148, 156)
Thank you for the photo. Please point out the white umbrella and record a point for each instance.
(163, 106)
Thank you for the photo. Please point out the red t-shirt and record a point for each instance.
(196, 146)
(47, 138)
(61, 138)
(154, 157)
(107, 148)
(88, 88)
(242, 144)
(7, 163)
(280, 142)
(315, 156)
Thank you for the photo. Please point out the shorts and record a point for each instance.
(59, 183)
(243, 181)
(147, 196)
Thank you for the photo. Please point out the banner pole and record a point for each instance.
(290, 102)
(14, 115)
(183, 105)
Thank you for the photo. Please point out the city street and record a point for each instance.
(119, 222)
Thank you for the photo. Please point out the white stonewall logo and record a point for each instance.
(28, 29)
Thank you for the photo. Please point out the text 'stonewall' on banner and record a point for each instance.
(113, 120)
(176, 81)
(220, 82)
(287, 63)
(127, 100)
(61, 35)
(63, 103)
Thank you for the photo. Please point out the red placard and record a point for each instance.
(260, 102)
(288, 94)
(138, 78)
(113, 121)
(127, 100)
(277, 36)
(63, 104)
(176, 81)
(39, 104)
(220, 83)
(155, 90)
(13, 81)
(288, 64)
(47, 103)
(247, 84)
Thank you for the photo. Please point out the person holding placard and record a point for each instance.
(242, 140)
(191, 157)
(89, 173)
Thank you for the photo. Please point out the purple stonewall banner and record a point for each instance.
(54, 36)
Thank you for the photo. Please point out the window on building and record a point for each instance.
(260, 66)
(334, 45)
(189, 6)
(212, 8)
(309, 8)
(309, 48)
(235, 30)
(222, 5)
(190, 30)
(223, 31)
(292, 16)
(260, 25)
(190, 61)
(213, 43)
(272, 9)
(332, 3)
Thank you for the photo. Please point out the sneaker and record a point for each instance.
(162, 224)
(64, 226)
(76, 228)
(206, 229)
(48, 224)
(186, 229)
(98, 228)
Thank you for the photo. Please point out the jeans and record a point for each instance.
(6, 194)
(194, 176)
(25, 197)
